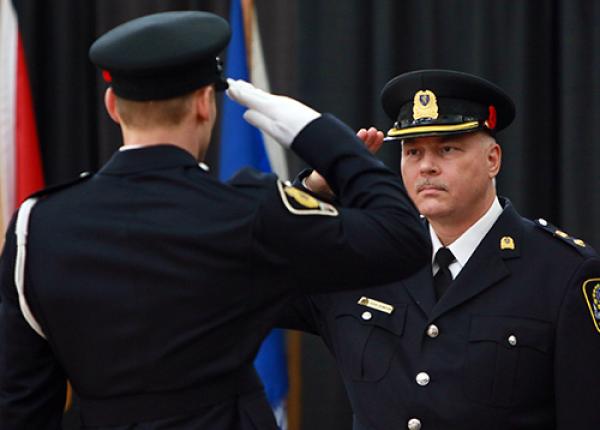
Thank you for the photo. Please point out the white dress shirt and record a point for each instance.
(463, 247)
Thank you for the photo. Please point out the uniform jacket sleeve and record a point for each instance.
(377, 236)
(32, 384)
(577, 353)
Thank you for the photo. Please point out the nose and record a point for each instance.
(428, 165)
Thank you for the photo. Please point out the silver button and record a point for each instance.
(423, 379)
(433, 331)
(512, 340)
(543, 222)
(366, 315)
(414, 424)
(84, 174)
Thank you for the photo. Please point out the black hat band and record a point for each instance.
(172, 83)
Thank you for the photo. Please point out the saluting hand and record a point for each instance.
(372, 138)
(282, 118)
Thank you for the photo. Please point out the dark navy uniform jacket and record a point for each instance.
(155, 284)
(513, 344)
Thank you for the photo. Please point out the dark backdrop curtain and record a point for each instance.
(336, 56)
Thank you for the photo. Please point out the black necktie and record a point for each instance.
(443, 277)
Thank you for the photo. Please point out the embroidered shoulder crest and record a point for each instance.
(591, 292)
(299, 202)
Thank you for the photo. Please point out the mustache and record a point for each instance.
(421, 184)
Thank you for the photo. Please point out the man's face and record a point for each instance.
(449, 178)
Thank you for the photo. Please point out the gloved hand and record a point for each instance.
(280, 117)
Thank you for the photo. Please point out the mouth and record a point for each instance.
(429, 188)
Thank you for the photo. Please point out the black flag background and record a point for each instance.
(336, 56)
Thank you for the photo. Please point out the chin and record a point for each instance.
(432, 211)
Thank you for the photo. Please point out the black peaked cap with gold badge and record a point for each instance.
(442, 102)
(163, 55)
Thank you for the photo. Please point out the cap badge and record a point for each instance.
(425, 105)
(507, 242)
(591, 292)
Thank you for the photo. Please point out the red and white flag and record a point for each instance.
(20, 161)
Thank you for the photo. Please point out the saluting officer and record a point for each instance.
(502, 329)
(150, 285)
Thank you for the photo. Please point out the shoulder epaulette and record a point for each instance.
(84, 176)
(582, 247)
(249, 176)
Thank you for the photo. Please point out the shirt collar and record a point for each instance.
(463, 247)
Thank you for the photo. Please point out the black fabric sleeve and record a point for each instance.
(32, 383)
(577, 351)
(376, 237)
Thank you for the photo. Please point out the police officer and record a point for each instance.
(502, 329)
(150, 285)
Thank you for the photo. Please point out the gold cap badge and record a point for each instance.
(507, 242)
(425, 105)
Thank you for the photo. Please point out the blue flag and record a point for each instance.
(243, 145)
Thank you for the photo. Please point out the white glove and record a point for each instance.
(281, 117)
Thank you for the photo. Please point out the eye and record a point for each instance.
(447, 149)
(411, 152)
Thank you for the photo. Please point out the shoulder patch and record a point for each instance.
(84, 176)
(299, 202)
(591, 292)
(582, 247)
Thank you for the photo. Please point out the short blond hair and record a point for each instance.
(154, 113)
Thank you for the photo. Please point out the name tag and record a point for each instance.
(376, 304)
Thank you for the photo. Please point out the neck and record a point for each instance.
(448, 229)
(185, 138)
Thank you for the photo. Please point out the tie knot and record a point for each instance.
(444, 257)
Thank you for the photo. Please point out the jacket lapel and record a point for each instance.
(420, 288)
(487, 266)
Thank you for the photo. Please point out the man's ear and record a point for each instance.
(110, 102)
(494, 159)
(204, 100)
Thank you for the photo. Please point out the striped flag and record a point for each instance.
(243, 145)
(20, 161)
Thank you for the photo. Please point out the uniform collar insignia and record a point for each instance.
(507, 242)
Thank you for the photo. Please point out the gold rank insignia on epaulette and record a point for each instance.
(591, 292)
(556, 232)
(299, 202)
